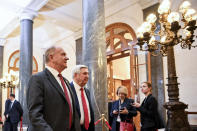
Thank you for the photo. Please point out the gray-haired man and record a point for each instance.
(82, 97)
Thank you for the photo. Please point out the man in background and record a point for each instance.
(82, 97)
(13, 113)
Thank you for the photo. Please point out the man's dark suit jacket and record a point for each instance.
(15, 113)
(91, 125)
(149, 114)
(47, 104)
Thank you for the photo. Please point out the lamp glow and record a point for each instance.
(173, 16)
(146, 27)
(140, 32)
(152, 41)
(164, 7)
(163, 39)
(151, 18)
(184, 6)
(189, 14)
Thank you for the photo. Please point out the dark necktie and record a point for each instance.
(67, 98)
(85, 109)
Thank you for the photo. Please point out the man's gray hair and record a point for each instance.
(77, 69)
(48, 52)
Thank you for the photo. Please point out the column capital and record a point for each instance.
(28, 14)
(31, 10)
(2, 41)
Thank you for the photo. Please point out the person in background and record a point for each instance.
(150, 119)
(110, 101)
(122, 110)
(50, 101)
(82, 97)
(13, 113)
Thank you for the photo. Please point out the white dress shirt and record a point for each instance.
(78, 91)
(12, 102)
(55, 74)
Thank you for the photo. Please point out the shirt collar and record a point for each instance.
(53, 71)
(76, 85)
(13, 101)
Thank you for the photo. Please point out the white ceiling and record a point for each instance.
(64, 13)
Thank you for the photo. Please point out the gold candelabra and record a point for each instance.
(10, 80)
(161, 39)
(171, 30)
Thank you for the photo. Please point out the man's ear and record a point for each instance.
(50, 57)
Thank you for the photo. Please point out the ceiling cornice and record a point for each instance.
(54, 4)
(31, 10)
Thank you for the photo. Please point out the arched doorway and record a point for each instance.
(120, 39)
(123, 62)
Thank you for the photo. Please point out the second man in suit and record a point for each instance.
(82, 97)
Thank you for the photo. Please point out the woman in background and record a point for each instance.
(122, 110)
(150, 119)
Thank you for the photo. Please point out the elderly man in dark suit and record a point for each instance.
(50, 99)
(13, 113)
(82, 97)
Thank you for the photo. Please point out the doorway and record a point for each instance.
(124, 63)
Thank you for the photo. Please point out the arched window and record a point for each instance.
(119, 38)
(13, 62)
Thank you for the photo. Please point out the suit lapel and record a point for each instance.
(148, 97)
(89, 100)
(9, 105)
(76, 98)
(14, 103)
(54, 82)
(87, 94)
(146, 100)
